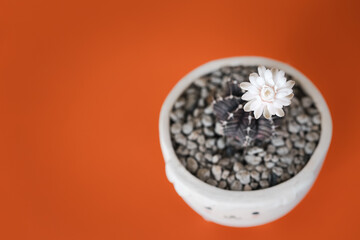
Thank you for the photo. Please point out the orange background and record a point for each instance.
(81, 86)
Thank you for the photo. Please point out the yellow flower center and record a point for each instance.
(267, 94)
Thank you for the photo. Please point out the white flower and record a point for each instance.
(267, 92)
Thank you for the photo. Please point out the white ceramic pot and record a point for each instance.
(241, 208)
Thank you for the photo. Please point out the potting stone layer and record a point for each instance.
(218, 160)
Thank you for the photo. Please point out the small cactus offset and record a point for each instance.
(267, 92)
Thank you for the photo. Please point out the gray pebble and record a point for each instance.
(255, 175)
(202, 148)
(219, 129)
(216, 158)
(224, 162)
(298, 160)
(293, 127)
(216, 80)
(268, 157)
(197, 112)
(294, 137)
(288, 159)
(209, 110)
(288, 144)
(187, 128)
(201, 140)
(291, 169)
(264, 184)
(180, 114)
(222, 184)
(315, 128)
(204, 93)
(216, 171)
(247, 188)
(282, 151)
(174, 117)
(310, 147)
(194, 134)
(265, 175)
(175, 128)
(316, 119)
(278, 171)
(179, 103)
(200, 82)
(312, 111)
(312, 136)
(183, 151)
(254, 185)
(260, 168)
(230, 178)
(191, 164)
(271, 149)
(236, 185)
(180, 139)
(275, 159)
(199, 156)
(207, 120)
(197, 122)
(225, 174)
(302, 118)
(191, 145)
(191, 102)
(300, 143)
(182, 161)
(210, 143)
(243, 176)
(208, 157)
(208, 132)
(269, 164)
(203, 174)
(220, 143)
(212, 182)
(306, 102)
(253, 160)
(254, 150)
(238, 166)
(277, 141)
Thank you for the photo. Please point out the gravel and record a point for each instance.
(219, 161)
(191, 165)
(187, 128)
(216, 171)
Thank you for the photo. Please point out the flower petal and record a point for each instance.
(261, 71)
(283, 92)
(258, 111)
(280, 112)
(269, 78)
(283, 101)
(254, 90)
(245, 85)
(267, 114)
(260, 81)
(280, 82)
(255, 104)
(252, 78)
(271, 108)
(248, 96)
(274, 72)
(247, 105)
(290, 96)
(290, 83)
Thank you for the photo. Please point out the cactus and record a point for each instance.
(238, 124)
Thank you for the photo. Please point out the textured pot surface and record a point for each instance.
(243, 208)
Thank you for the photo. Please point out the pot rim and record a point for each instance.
(304, 179)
